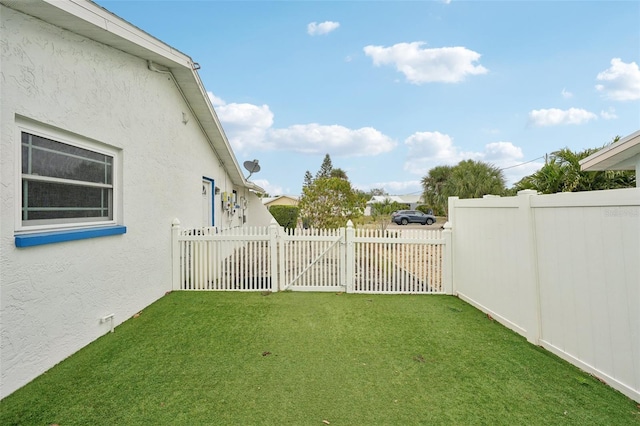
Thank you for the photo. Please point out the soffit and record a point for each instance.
(621, 155)
(88, 19)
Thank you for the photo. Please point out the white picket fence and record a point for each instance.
(401, 261)
(346, 259)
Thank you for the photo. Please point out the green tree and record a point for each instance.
(473, 179)
(364, 197)
(308, 179)
(338, 173)
(562, 173)
(325, 168)
(381, 212)
(329, 202)
(467, 179)
(433, 186)
(377, 191)
(425, 209)
(548, 180)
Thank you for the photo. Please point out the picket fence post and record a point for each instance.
(175, 255)
(449, 248)
(349, 257)
(447, 259)
(273, 247)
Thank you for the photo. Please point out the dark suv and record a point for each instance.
(403, 217)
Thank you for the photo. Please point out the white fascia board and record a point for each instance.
(252, 186)
(123, 30)
(90, 20)
(194, 91)
(223, 145)
(617, 156)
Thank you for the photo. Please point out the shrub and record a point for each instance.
(425, 209)
(286, 216)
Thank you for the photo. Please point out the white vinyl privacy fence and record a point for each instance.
(562, 270)
(346, 259)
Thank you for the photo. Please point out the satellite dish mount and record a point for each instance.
(252, 167)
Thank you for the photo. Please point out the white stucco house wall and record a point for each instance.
(622, 155)
(106, 136)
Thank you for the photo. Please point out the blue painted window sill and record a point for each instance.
(38, 239)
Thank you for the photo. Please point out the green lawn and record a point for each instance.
(308, 358)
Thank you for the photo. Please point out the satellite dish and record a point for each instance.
(252, 167)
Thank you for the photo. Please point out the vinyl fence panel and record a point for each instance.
(562, 270)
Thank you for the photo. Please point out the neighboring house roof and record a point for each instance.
(281, 199)
(383, 198)
(90, 20)
(404, 199)
(412, 199)
(621, 155)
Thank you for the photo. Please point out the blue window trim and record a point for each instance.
(41, 238)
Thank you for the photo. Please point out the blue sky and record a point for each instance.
(390, 89)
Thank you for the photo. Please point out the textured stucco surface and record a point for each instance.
(52, 296)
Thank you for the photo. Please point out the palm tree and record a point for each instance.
(433, 185)
(474, 179)
(563, 174)
(467, 179)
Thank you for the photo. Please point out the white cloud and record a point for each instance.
(322, 28)
(431, 149)
(509, 157)
(244, 124)
(249, 128)
(317, 139)
(393, 187)
(272, 190)
(491, 131)
(620, 82)
(443, 65)
(609, 115)
(566, 94)
(501, 153)
(216, 101)
(554, 116)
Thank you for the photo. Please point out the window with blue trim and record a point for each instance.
(64, 184)
(68, 186)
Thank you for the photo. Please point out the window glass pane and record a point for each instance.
(45, 200)
(66, 214)
(45, 157)
(25, 153)
(48, 201)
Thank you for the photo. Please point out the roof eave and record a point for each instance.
(90, 20)
(621, 155)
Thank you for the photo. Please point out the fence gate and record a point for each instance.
(399, 261)
(312, 260)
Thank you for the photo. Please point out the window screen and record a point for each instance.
(63, 183)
